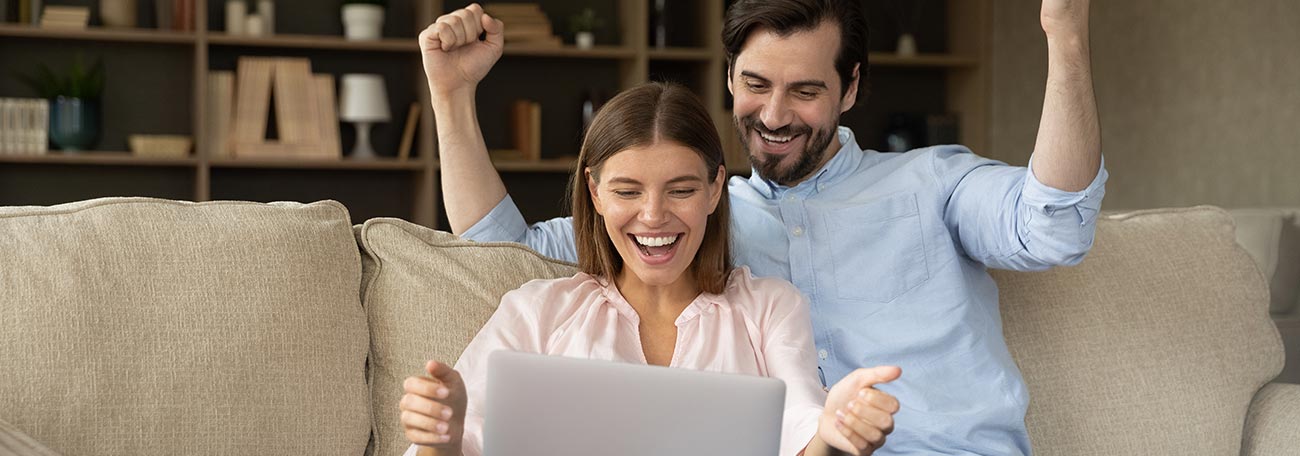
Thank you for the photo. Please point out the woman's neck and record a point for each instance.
(657, 301)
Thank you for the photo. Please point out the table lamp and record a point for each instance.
(364, 101)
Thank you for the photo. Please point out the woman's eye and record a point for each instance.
(683, 193)
(625, 193)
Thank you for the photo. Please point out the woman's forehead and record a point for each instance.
(664, 159)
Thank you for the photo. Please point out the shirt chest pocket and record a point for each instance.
(877, 250)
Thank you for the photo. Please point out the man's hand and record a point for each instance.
(454, 57)
(1065, 19)
(857, 416)
(433, 408)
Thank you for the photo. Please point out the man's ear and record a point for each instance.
(729, 89)
(851, 95)
(716, 188)
(591, 189)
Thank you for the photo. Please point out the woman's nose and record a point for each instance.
(653, 212)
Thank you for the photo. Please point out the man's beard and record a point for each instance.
(769, 166)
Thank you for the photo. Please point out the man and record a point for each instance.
(891, 249)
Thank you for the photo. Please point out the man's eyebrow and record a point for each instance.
(804, 83)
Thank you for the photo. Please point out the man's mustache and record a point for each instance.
(751, 122)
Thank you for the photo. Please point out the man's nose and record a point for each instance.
(776, 112)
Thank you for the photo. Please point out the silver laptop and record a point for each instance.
(551, 406)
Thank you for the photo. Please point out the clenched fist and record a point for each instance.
(454, 56)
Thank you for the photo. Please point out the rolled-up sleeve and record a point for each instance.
(552, 238)
(1005, 218)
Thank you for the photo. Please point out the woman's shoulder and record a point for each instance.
(745, 290)
(541, 296)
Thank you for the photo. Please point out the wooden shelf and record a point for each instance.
(378, 164)
(134, 35)
(316, 42)
(97, 158)
(596, 52)
(560, 165)
(681, 54)
(889, 59)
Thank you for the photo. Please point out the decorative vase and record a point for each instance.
(74, 123)
(906, 45)
(363, 22)
(236, 16)
(584, 40)
(117, 13)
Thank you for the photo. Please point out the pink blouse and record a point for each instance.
(757, 326)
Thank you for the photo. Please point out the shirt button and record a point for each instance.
(821, 354)
(797, 231)
(789, 197)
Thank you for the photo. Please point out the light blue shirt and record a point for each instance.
(891, 249)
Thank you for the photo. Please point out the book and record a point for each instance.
(330, 144)
(526, 128)
(408, 133)
(221, 101)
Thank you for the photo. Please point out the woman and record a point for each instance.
(657, 287)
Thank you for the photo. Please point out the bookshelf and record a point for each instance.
(157, 85)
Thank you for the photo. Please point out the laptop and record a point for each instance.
(550, 406)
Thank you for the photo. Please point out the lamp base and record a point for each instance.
(362, 149)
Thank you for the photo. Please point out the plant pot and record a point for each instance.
(584, 40)
(74, 123)
(117, 13)
(363, 22)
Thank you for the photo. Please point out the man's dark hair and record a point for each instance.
(785, 17)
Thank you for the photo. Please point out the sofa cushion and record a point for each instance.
(1272, 237)
(1155, 344)
(427, 293)
(142, 326)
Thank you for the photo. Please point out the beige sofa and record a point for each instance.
(137, 326)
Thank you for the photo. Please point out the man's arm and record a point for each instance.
(1067, 152)
(455, 61)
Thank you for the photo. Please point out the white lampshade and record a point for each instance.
(363, 99)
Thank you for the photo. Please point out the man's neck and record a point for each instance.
(827, 155)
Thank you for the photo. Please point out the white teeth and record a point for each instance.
(775, 139)
(656, 241)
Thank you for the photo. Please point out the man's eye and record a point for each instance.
(757, 87)
(806, 94)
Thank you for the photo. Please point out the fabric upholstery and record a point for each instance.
(14, 441)
(1272, 237)
(427, 293)
(139, 326)
(1155, 344)
(1273, 425)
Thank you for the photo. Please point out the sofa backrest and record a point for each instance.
(134, 326)
(1155, 344)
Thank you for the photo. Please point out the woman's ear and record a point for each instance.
(715, 188)
(591, 190)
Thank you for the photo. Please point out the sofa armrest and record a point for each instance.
(1271, 421)
(14, 441)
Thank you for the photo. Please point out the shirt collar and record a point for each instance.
(842, 164)
(614, 298)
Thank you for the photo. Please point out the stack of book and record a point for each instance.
(24, 126)
(525, 23)
(65, 17)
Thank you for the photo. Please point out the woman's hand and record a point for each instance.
(857, 416)
(433, 408)
(454, 57)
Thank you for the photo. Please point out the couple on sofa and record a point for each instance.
(890, 250)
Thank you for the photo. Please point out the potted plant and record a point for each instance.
(583, 25)
(363, 20)
(74, 103)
